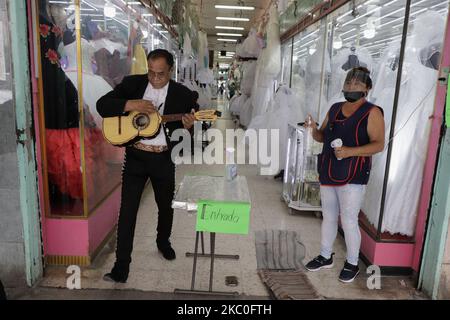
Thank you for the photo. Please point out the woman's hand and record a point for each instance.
(310, 123)
(344, 152)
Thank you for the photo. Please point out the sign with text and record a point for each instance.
(223, 217)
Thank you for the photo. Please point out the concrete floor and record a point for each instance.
(152, 277)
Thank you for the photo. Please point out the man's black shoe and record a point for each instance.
(119, 273)
(167, 251)
(111, 277)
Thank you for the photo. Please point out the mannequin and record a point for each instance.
(60, 109)
(353, 61)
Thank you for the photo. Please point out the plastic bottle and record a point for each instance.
(230, 166)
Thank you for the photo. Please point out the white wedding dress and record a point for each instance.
(94, 86)
(412, 128)
(283, 110)
(268, 67)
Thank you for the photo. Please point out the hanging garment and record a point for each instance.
(283, 110)
(268, 67)
(248, 77)
(251, 47)
(94, 86)
(60, 96)
(245, 115)
(412, 128)
(139, 63)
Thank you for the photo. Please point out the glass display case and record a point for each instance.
(301, 188)
(81, 169)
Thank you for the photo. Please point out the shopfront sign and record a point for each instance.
(223, 217)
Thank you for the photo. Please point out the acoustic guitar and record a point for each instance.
(131, 127)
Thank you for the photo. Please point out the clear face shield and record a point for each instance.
(355, 85)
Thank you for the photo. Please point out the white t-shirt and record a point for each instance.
(158, 98)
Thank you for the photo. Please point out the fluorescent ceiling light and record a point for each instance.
(359, 17)
(229, 34)
(109, 10)
(233, 7)
(147, 15)
(229, 28)
(227, 40)
(133, 3)
(232, 19)
(389, 3)
(353, 29)
(302, 39)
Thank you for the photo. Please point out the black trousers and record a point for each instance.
(139, 166)
(2, 292)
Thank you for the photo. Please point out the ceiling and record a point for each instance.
(208, 13)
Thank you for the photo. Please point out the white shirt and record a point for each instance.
(158, 98)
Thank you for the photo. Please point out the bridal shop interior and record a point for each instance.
(265, 67)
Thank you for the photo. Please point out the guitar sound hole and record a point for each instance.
(141, 121)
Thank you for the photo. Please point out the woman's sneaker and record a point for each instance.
(320, 262)
(348, 273)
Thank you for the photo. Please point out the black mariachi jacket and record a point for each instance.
(179, 100)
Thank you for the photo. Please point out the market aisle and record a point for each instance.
(150, 272)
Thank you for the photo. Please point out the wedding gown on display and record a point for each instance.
(268, 67)
(283, 110)
(251, 47)
(412, 127)
(94, 86)
(248, 77)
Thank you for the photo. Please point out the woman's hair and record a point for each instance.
(366, 79)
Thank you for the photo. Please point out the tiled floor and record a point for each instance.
(150, 272)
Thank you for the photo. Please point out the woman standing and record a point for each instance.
(351, 133)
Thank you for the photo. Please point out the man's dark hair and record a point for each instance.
(161, 53)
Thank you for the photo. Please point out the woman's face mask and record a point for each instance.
(353, 96)
(354, 90)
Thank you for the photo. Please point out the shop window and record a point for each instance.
(81, 168)
(286, 63)
(309, 63)
(370, 34)
(410, 125)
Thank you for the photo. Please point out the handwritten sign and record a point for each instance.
(223, 217)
